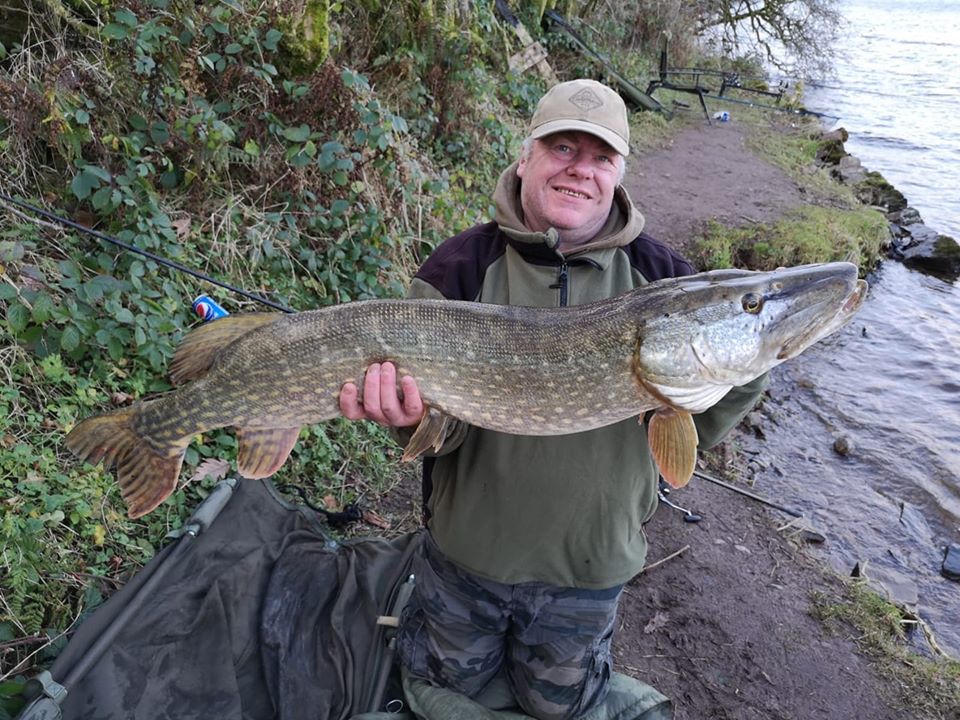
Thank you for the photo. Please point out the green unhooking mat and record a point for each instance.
(260, 615)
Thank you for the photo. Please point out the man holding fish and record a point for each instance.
(526, 353)
(530, 539)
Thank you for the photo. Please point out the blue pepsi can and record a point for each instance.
(208, 308)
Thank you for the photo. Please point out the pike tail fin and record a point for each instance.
(197, 351)
(673, 444)
(146, 476)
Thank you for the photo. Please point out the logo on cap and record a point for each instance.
(586, 100)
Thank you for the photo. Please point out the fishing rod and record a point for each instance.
(764, 106)
(747, 493)
(131, 248)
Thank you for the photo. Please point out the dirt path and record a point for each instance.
(706, 173)
(725, 628)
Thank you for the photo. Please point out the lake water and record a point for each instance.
(890, 381)
(897, 90)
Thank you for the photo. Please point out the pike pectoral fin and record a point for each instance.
(263, 450)
(673, 444)
(197, 351)
(147, 475)
(430, 433)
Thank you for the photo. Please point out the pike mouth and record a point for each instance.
(848, 308)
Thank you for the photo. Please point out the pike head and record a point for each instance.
(724, 328)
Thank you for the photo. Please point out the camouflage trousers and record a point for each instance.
(459, 631)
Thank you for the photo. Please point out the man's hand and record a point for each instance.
(381, 398)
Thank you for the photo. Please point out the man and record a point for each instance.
(532, 538)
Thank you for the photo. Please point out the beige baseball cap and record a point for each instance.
(585, 105)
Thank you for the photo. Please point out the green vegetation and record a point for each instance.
(249, 145)
(807, 235)
(927, 687)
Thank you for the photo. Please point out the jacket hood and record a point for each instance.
(623, 224)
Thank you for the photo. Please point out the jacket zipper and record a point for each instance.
(563, 283)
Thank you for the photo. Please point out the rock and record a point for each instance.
(875, 190)
(830, 152)
(850, 171)
(951, 563)
(840, 134)
(843, 445)
(899, 589)
(907, 216)
(920, 233)
(934, 254)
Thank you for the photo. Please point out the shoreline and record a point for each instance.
(727, 628)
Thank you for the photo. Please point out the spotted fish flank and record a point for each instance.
(674, 347)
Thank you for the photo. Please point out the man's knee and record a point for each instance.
(542, 707)
(562, 693)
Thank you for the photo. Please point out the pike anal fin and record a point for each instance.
(673, 443)
(146, 475)
(430, 433)
(263, 451)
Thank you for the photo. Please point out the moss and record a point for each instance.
(875, 190)
(831, 152)
(307, 37)
(947, 248)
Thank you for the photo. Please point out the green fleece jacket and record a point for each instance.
(566, 510)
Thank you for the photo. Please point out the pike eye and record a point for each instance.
(752, 303)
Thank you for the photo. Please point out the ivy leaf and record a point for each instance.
(83, 184)
(102, 197)
(272, 39)
(70, 339)
(42, 308)
(297, 134)
(113, 31)
(17, 318)
(124, 316)
(125, 16)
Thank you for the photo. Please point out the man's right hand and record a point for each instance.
(382, 401)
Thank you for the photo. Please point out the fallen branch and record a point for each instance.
(671, 556)
(32, 640)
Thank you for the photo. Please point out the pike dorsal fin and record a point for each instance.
(262, 451)
(673, 443)
(197, 351)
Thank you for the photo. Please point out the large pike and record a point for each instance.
(675, 347)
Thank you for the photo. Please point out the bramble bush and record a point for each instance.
(212, 135)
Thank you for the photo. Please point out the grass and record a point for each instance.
(929, 688)
(809, 234)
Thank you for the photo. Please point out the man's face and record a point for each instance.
(568, 181)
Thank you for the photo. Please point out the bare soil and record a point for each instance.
(706, 173)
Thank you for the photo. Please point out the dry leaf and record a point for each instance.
(659, 620)
(372, 518)
(182, 226)
(121, 398)
(214, 467)
(330, 503)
